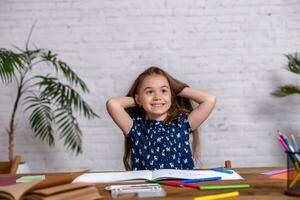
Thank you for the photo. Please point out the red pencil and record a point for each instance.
(172, 183)
(179, 184)
(191, 185)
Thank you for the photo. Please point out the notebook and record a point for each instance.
(160, 174)
(9, 180)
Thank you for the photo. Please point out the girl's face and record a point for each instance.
(154, 95)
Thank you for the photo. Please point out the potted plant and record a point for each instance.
(52, 102)
(293, 66)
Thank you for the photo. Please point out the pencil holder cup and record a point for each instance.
(293, 173)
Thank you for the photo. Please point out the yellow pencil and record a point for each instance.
(293, 183)
(218, 196)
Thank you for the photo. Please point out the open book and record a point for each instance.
(153, 175)
(56, 187)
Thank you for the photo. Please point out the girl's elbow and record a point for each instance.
(212, 99)
(110, 103)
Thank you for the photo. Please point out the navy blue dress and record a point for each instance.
(157, 145)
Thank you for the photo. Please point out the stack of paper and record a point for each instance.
(54, 187)
(279, 174)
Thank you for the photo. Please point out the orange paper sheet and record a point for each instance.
(283, 176)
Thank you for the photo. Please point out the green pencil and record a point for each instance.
(153, 181)
(224, 187)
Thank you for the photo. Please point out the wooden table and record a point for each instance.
(262, 187)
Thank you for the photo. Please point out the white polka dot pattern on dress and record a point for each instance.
(157, 145)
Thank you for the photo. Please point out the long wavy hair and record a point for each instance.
(179, 105)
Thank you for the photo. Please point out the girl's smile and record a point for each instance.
(157, 104)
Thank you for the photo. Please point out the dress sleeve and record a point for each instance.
(133, 129)
(185, 125)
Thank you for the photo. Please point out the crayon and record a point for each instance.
(224, 187)
(218, 196)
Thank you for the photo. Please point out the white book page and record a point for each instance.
(193, 174)
(105, 177)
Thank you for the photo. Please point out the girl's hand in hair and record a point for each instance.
(206, 102)
(177, 85)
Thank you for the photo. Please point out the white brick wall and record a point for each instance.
(233, 48)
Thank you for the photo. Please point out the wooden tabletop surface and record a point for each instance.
(261, 187)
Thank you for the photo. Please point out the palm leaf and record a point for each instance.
(294, 63)
(68, 73)
(64, 96)
(68, 128)
(41, 118)
(9, 63)
(286, 90)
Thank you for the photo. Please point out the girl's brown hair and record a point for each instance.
(179, 105)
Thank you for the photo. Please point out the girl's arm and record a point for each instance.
(206, 103)
(116, 109)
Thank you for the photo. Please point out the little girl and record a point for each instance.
(157, 117)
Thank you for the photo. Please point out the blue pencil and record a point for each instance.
(201, 179)
(226, 171)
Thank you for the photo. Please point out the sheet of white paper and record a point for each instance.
(105, 177)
